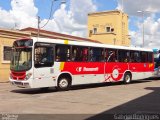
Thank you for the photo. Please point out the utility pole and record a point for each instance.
(39, 21)
(122, 6)
(143, 27)
(143, 30)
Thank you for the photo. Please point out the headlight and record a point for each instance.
(11, 76)
(28, 76)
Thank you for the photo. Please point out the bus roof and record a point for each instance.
(87, 43)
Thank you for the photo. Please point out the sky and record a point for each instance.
(71, 17)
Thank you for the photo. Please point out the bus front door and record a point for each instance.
(43, 65)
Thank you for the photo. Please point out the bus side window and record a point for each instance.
(132, 56)
(68, 54)
(135, 56)
(85, 54)
(96, 54)
(100, 55)
(62, 53)
(76, 53)
(150, 57)
(123, 56)
(43, 56)
(144, 57)
(106, 55)
(112, 55)
(128, 59)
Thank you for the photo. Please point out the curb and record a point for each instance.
(5, 82)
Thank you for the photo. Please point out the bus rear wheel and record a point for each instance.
(63, 84)
(127, 78)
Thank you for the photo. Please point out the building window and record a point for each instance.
(112, 29)
(108, 29)
(90, 33)
(7, 53)
(94, 30)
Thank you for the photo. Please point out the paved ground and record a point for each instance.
(89, 101)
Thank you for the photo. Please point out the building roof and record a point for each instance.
(107, 12)
(11, 33)
(55, 35)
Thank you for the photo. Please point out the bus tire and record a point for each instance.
(44, 88)
(127, 78)
(64, 83)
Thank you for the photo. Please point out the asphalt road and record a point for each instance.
(81, 102)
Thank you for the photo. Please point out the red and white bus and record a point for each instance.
(43, 63)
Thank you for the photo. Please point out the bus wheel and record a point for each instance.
(44, 88)
(63, 84)
(127, 78)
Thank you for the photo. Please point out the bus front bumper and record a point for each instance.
(21, 84)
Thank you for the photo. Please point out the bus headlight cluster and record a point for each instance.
(28, 76)
(11, 76)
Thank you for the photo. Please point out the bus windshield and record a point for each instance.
(21, 59)
(157, 62)
(156, 58)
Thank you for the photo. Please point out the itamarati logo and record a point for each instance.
(86, 69)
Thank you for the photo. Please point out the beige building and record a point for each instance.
(7, 37)
(6, 40)
(110, 27)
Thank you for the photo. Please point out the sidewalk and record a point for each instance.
(4, 81)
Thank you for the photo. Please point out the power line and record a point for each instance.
(49, 14)
(62, 2)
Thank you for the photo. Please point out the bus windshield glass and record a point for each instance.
(21, 59)
(156, 57)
